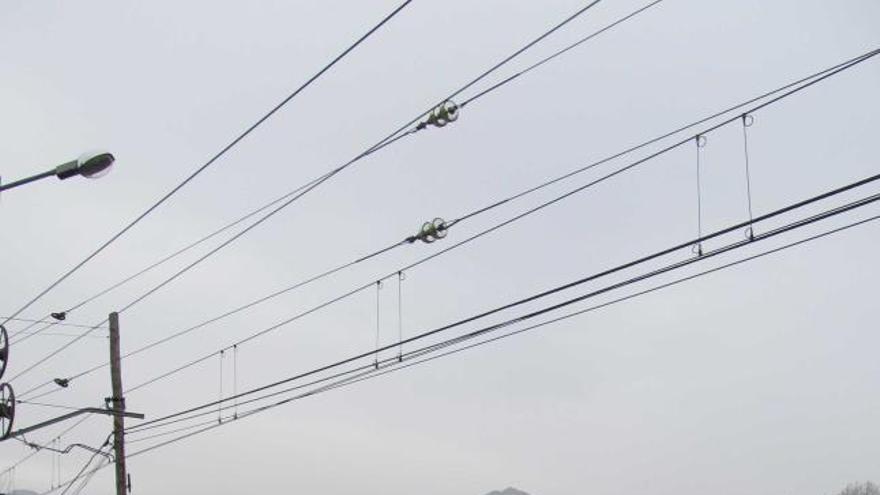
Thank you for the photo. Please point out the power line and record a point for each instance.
(515, 196)
(559, 53)
(397, 365)
(287, 195)
(786, 90)
(213, 159)
(614, 286)
(390, 139)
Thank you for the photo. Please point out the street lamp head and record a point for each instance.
(92, 165)
(96, 164)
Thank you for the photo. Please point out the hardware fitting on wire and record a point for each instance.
(430, 231)
(441, 115)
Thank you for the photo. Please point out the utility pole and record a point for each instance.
(118, 404)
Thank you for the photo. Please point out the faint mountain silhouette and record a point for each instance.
(508, 491)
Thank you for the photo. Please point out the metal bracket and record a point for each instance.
(73, 414)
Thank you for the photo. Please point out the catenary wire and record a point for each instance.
(666, 269)
(805, 83)
(277, 200)
(401, 366)
(390, 139)
(619, 268)
(213, 159)
(559, 53)
(601, 179)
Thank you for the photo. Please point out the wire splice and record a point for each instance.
(430, 231)
(441, 115)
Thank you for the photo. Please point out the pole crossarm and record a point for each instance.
(73, 414)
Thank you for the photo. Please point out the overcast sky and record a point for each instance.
(761, 379)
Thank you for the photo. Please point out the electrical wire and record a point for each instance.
(286, 195)
(30, 320)
(390, 139)
(614, 286)
(559, 53)
(398, 366)
(214, 158)
(786, 91)
(82, 470)
(57, 437)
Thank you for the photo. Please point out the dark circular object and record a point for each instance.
(7, 410)
(4, 350)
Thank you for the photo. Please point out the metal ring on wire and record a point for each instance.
(431, 231)
(441, 115)
(748, 119)
(697, 249)
(7, 410)
(702, 141)
(4, 350)
(749, 233)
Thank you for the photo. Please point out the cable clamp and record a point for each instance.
(430, 231)
(441, 115)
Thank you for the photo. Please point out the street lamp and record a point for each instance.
(91, 165)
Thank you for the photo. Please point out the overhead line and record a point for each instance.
(286, 195)
(674, 266)
(390, 139)
(396, 366)
(797, 86)
(213, 159)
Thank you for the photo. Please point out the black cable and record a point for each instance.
(85, 466)
(560, 52)
(57, 437)
(557, 199)
(674, 266)
(399, 365)
(31, 320)
(217, 318)
(390, 139)
(797, 87)
(213, 159)
(273, 202)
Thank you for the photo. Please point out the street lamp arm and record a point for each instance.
(91, 165)
(21, 182)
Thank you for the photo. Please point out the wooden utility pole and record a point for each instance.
(117, 403)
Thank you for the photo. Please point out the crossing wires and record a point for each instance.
(211, 160)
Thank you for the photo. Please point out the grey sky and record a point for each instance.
(761, 379)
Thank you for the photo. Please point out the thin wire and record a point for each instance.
(674, 266)
(30, 320)
(370, 374)
(830, 70)
(390, 139)
(798, 86)
(213, 159)
(513, 219)
(220, 402)
(85, 466)
(400, 313)
(266, 206)
(378, 321)
(699, 195)
(43, 404)
(235, 378)
(560, 52)
(745, 131)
